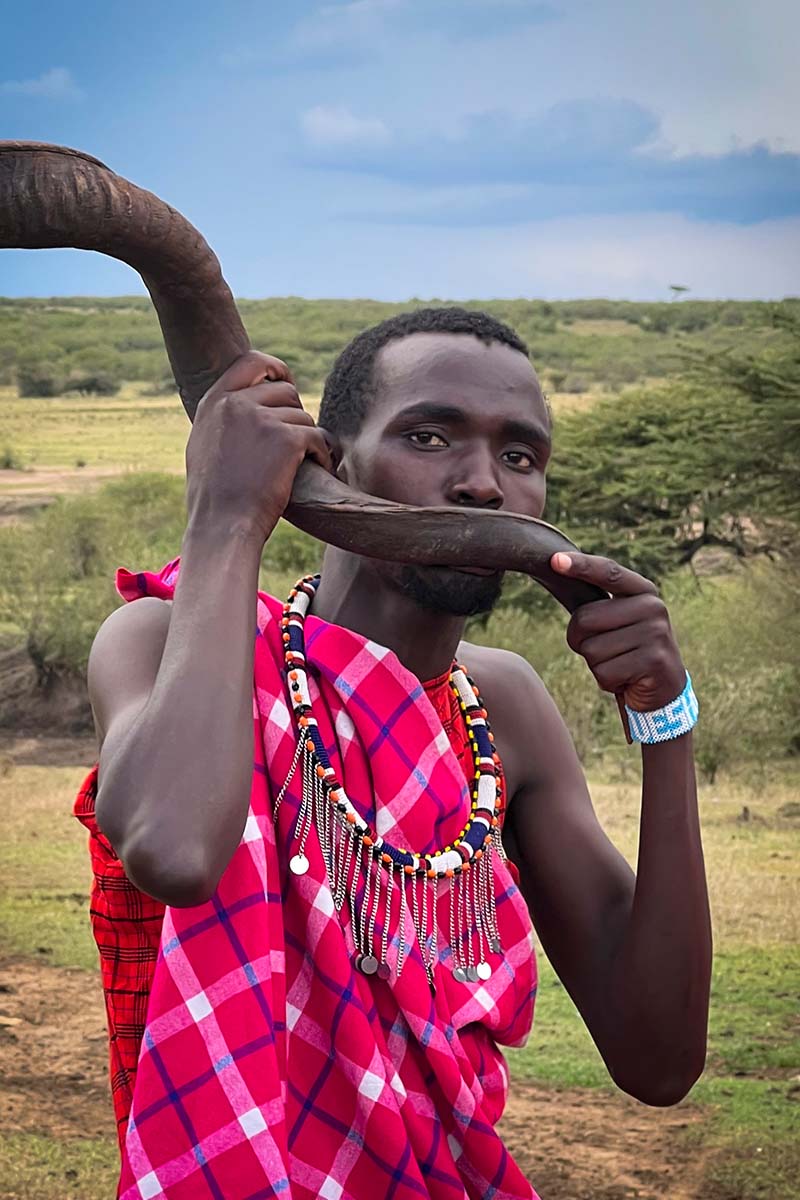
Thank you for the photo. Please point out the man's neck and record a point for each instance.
(353, 594)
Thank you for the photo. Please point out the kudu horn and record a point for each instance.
(52, 196)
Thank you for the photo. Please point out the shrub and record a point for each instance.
(92, 383)
(10, 460)
(740, 638)
(39, 379)
(57, 572)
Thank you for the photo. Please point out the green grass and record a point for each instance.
(132, 431)
(45, 1168)
(44, 869)
(129, 431)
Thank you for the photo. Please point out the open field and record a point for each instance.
(576, 1137)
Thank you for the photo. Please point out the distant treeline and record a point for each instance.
(51, 346)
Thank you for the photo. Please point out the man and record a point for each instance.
(435, 407)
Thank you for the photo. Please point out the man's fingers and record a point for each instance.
(291, 416)
(272, 395)
(602, 616)
(250, 368)
(616, 674)
(607, 574)
(604, 646)
(318, 448)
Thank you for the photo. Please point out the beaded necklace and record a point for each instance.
(361, 865)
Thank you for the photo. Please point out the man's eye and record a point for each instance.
(426, 437)
(519, 458)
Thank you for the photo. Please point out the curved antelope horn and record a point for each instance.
(53, 196)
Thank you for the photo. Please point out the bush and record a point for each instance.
(10, 460)
(740, 638)
(39, 379)
(92, 383)
(57, 572)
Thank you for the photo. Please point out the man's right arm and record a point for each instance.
(171, 688)
(171, 685)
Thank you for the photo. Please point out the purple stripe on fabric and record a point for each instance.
(345, 997)
(268, 1192)
(183, 1116)
(208, 922)
(255, 985)
(445, 811)
(396, 1174)
(385, 728)
(192, 1085)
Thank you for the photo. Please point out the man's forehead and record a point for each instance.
(408, 363)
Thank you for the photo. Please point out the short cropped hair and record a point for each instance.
(350, 387)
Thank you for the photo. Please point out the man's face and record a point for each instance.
(454, 422)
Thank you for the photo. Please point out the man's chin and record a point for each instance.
(451, 591)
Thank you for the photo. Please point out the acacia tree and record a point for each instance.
(652, 477)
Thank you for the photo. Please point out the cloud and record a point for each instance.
(577, 157)
(332, 128)
(378, 23)
(55, 84)
(632, 257)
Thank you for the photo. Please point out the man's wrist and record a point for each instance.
(220, 538)
(668, 721)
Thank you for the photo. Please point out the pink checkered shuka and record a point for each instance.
(270, 1066)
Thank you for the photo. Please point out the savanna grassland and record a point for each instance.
(676, 434)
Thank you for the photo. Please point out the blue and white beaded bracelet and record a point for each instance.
(664, 724)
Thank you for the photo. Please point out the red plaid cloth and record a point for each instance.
(126, 925)
(269, 1066)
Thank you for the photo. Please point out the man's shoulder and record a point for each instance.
(519, 707)
(490, 665)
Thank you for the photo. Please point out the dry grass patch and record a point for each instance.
(132, 431)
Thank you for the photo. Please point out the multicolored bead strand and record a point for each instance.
(465, 864)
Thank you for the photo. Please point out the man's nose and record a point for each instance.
(476, 485)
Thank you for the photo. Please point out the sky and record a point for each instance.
(430, 148)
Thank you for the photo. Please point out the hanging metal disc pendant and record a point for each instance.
(494, 946)
(384, 971)
(298, 864)
(472, 974)
(367, 964)
(484, 970)
(459, 974)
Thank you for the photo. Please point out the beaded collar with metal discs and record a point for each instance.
(334, 809)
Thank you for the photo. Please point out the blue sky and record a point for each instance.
(432, 148)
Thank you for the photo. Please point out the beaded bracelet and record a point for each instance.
(664, 724)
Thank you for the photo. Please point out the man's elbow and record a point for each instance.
(167, 867)
(181, 878)
(180, 881)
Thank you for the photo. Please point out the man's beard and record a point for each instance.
(448, 591)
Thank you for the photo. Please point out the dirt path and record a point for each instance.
(23, 493)
(574, 1145)
(586, 1145)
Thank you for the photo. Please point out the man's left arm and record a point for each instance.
(634, 952)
